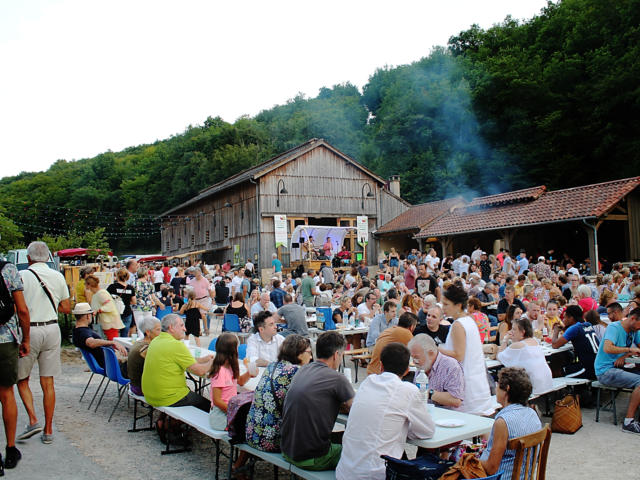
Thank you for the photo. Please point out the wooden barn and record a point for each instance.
(312, 184)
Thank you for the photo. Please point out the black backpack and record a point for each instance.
(7, 307)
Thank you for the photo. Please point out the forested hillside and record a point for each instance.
(553, 100)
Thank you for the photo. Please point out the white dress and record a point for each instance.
(532, 359)
(477, 396)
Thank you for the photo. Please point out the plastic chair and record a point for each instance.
(242, 351)
(114, 375)
(212, 344)
(327, 315)
(531, 452)
(95, 370)
(163, 312)
(231, 323)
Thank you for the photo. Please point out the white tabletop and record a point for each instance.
(474, 425)
(203, 352)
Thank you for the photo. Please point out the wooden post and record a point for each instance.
(592, 237)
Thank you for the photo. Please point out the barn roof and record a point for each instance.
(419, 216)
(267, 166)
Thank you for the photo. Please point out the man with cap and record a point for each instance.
(541, 269)
(88, 340)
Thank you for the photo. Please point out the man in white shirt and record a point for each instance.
(44, 306)
(172, 272)
(249, 266)
(476, 254)
(236, 283)
(385, 412)
(263, 346)
(132, 268)
(265, 304)
(433, 262)
(368, 308)
(534, 316)
(573, 270)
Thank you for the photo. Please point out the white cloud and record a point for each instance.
(83, 77)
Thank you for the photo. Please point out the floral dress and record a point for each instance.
(144, 292)
(265, 415)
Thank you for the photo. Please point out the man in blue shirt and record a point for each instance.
(381, 322)
(583, 337)
(277, 294)
(621, 340)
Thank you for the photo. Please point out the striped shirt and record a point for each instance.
(520, 421)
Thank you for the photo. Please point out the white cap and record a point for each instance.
(82, 308)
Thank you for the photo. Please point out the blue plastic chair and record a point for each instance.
(242, 351)
(231, 323)
(212, 344)
(327, 315)
(114, 375)
(95, 370)
(163, 312)
(495, 476)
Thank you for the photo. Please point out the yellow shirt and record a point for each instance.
(519, 289)
(552, 321)
(80, 296)
(163, 377)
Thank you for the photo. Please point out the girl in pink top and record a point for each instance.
(225, 378)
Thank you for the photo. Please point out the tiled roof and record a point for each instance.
(419, 216)
(524, 195)
(589, 201)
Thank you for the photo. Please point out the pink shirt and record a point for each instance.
(587, 304)
(225, 381)
(201, 287)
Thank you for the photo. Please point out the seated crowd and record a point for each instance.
(439, 315)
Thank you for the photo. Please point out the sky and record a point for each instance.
(83, 77)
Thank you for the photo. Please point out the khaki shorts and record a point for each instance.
(45, 349)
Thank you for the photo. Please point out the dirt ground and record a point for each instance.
(87, 446)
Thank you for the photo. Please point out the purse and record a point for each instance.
(567, 417)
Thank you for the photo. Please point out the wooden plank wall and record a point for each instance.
(633, 211)
(240, 220)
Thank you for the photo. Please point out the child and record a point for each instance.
(193, 312)
(225, 378)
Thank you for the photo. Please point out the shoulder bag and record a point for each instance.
(46, 291)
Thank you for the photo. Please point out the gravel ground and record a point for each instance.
(86, 445)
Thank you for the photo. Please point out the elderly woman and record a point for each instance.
(584, 299)
(105, 307)
(525, 352)
(263, 421)
(463, 343)
(514, 420)
(151, 328)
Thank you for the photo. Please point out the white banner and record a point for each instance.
(362, 225)
(280, 224)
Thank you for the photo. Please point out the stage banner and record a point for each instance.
(280, 223)
(362, 225)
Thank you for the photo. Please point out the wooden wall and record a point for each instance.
(240, 220)
(633, 212)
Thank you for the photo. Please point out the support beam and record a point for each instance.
(592, 236)
(507, 238)
(445, 243)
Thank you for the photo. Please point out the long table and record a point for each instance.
(251, 385)
(546, 348)
(474, 426)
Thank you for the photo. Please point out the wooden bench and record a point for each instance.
(353, 351)
(278, 461)
(614, 391)
(198, 420)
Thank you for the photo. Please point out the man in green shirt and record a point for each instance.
(308, 288)
(168, 358)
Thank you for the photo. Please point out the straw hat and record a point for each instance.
(82, 308)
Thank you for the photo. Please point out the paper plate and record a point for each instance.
(449, 423)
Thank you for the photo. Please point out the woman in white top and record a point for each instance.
(525, 352)
(463, 343)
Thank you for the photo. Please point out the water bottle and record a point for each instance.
(422, 382)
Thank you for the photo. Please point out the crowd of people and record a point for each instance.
(441, 315)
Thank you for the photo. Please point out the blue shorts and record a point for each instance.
(617, 377)
(393, 262)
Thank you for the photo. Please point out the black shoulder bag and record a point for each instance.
(46, 290)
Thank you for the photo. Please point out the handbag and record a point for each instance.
(427, 467)
(567, 417)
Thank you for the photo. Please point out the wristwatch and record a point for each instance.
(431, 392)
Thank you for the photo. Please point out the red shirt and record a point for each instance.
(167, 277)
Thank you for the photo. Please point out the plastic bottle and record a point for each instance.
(422, 382)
